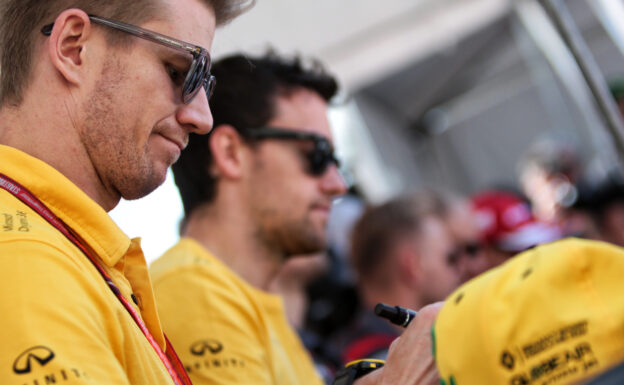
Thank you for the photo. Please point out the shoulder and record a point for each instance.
(216, 324)
(188, 268)
(188, 277)
(39, 266)
(204, 304)
(20, 225)
(45, 270)
(33, 251)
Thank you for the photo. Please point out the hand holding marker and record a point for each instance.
(355, 369)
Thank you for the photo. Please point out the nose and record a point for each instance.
(196, 115)
(332, 182)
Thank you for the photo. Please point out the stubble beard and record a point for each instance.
(122, 166)
(293, 237)
(277, 227)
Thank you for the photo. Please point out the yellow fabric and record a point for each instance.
(224, 330)
(552, 315)
(60, 321)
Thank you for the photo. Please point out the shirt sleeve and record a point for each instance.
(55, 326)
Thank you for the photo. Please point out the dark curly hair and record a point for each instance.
(245, 97)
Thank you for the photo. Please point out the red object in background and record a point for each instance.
(506, 222)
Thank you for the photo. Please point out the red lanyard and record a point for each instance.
(170, 358)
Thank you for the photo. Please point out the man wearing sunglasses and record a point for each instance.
(97, 99)
(256, 191)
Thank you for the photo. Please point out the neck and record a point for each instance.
(45, 130)
(228, 234)
(295, 300)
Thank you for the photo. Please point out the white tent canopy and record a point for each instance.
(360, 41)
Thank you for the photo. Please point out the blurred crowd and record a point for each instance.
(418, 248)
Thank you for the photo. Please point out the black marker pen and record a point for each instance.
(396, 314)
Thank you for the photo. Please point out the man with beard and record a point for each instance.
(97, 99)
(256, 191)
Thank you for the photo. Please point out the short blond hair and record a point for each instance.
(22, 20)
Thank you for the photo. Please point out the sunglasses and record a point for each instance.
(471, 249)
(319, 158)
(198, 74)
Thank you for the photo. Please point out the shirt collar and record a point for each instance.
(83, 215)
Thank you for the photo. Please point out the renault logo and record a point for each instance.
(199, 348)
(24, 363)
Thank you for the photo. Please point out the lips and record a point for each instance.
(181, 144)
(321, 206)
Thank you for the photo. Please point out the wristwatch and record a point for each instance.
(356, 369)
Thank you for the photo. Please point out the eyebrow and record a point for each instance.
(176, 57)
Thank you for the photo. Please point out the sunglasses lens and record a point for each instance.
(452, 258)
(321, 158)
(209, 85)
(317, 164)
(190, 88)
(195, 78)
(472, 249)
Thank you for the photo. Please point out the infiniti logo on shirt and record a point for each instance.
(32, 360)
(199, 348)
(25, 362)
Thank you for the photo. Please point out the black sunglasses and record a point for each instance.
(471, 249)
(319, 158)
(198, 74)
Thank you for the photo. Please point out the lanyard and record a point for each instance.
(169, 359)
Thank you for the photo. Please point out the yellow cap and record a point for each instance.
(552, 315)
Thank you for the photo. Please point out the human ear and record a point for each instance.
(226, 147)
(409, 264)
(67, 44)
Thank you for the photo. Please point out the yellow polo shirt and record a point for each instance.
(59, 321)
(225, 330)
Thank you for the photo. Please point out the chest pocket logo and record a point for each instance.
(199, 348)
(38, 354)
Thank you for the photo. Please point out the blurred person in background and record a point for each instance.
(400, 252)
(507, 226)
(256, 193)
(552, 177)
(582, 218)
(469, 257)
(608, 211)
(608, 200)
